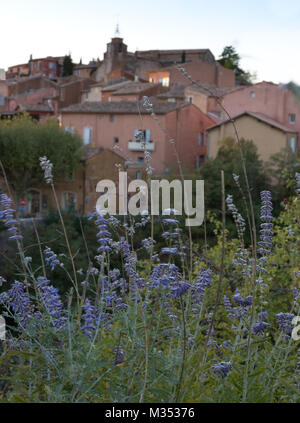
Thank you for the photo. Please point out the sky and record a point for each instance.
(266, 33)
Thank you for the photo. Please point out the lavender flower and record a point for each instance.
(47, 166)
(51, 258)
(147, 103)
(52, 302)
(119, 356)
(169, 251)
(266, 217)
(222, 368)
(17, 299)
(237, 217)
(244, 302)
(90, 318)
(103, 236)
(198, 289)
(284, 321)
(261, 325)
(7, 215)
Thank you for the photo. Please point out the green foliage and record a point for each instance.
(230, 59)
(228, 159)
(68, 65)
(21, 164)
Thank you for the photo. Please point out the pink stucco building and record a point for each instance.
(273, 100)
(113, 125)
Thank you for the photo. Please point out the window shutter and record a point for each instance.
(147, 137)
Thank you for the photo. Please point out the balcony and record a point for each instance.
(141, 146)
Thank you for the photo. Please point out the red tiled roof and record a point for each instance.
(259, 116)
(121, 107)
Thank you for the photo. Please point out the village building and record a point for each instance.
(273, 100)
(77, 191)
(47, 66)
(268, 135)
(115, 125)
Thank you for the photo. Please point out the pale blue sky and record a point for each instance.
(266, 33)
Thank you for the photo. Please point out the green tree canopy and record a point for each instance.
(230, 59)
(229, 159)
(24, 140)
(68, 65)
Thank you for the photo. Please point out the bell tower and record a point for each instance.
(116, 53)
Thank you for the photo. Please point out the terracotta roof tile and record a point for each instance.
(120, 107)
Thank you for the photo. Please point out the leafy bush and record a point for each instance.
(138, 323)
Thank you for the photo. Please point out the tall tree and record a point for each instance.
(24, 140)
(68, 65)
(230, 59)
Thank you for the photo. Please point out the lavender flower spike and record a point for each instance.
(7, 215)
(47, 166)
(51, 258)
(266, 225)
(222, 368)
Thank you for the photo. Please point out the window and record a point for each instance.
(51, 75)
(190, 99)
(252, 94)
(78, 72)
(1, 99)
(111, 118)
(200, 139)
(39, 65)
(199, 160)
(87, 135)
(293, 144)
(51, 65)
(68, 200)
(138, 174)
(171, 100)
(141, 135)
(140, 159)
(292, 118)
(69, 129)
(116, 140)
(165, 81)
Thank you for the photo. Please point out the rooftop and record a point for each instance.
(121, 107)
(259, 116)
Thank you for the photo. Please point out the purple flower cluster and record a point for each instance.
(222, 368)
(198, 289)
(261, 325)
(17, 298)
(90, 318)
(51, 258)
(266, 233)
(103, 236)
(244, 302)
(243, 305)
(52, 302)
(130, 260)
(7, 215)
(284, 321)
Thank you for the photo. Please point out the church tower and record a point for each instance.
(116, 54)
